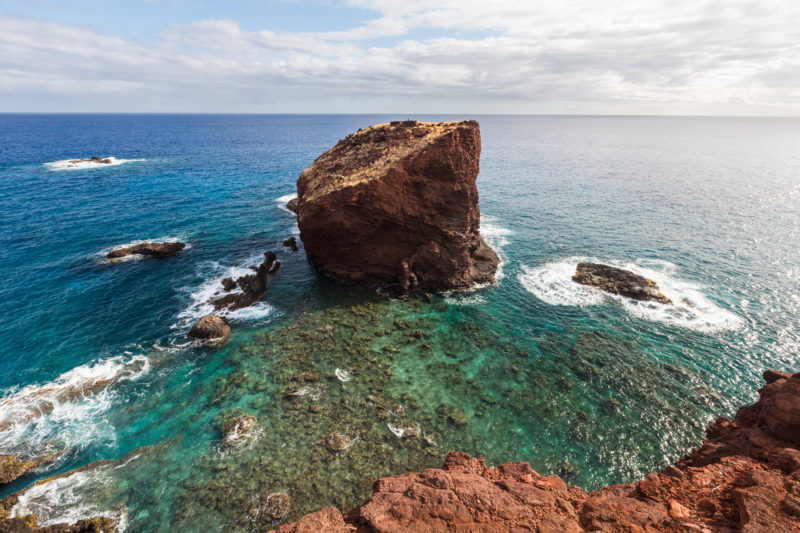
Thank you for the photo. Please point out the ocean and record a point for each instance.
(94, 365)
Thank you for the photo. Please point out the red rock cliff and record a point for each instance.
(746, 477)
(397, 203)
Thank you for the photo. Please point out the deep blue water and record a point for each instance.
(707, 207)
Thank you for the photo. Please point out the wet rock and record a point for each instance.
(95, 159)
(337, 442)
(252, 286)
(619, 281)
(291, 205)
(236, 430)
(12, 468)
(228, 284)
(271, 506)
(211, 328)
(397, 204)
(291, 243)
(150, 249)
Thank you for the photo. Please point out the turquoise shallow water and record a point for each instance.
(536, 368)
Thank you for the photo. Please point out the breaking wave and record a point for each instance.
(78, 164)
(552, 283)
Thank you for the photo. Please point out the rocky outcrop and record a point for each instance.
(291, 205)
(95, 159)
(397, 204)
(291, 243)
(745, 477)
(252, 286)
(12, 468)
(619, 281)
(149, 249)
(213, 329)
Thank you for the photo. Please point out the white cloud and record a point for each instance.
(504, 56)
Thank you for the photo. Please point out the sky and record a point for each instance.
(640, 57)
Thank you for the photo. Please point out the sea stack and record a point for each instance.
(397, 204)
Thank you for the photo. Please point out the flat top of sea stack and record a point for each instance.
(366, 154)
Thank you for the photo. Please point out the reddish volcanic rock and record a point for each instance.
(397, 203)
(746, 477)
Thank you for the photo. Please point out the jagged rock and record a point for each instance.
(236, 430)
(228, 284)
(291, 242)
(291, 205)
(397, 204)
(211, 328)
(619, 281)
(12, 468)
(150, 249)
(253, 286)
(745, 477)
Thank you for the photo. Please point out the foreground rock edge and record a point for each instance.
(745, 477)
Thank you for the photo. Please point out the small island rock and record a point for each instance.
(212, 328)
(150, 249)
(619, 281)
(397, 204)
(253, 286)
(291, 243)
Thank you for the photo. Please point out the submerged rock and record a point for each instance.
(211, 328)
(236, 430)
(619, 281)
(336, 442)
(397, 204)
(271, 506)
(150, 249)
(745, 477)
(253, 286)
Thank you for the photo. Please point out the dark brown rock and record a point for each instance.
(291, 205)
(150, 249)
(619, 281)
(253, 286)
(291, 242)
(95, 159)
(397, 204)
(211, 328)
(228, 284)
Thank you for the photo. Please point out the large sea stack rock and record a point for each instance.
(619, 281)
(397, 203)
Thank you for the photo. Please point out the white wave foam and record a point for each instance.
(200, 297)
(68, 412)
(343, 375)
(102, 255)
(496, 236)
(67, 499)
(552, 283)
(78, 164)
(465, 299)
(285, 199)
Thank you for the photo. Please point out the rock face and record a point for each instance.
(253, 286)
(745, 477)
(212, 328)
(150, 249)
(397, 203)
(619, 281)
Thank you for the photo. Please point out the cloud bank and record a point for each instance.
(568, 56)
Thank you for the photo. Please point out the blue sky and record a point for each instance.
(710, 57)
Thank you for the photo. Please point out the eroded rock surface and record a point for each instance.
(150, 249)
(211, 328)
(12, 468)
(252, 286)
(619, 281)
(745, 477)
(237, 430)
(397, 204)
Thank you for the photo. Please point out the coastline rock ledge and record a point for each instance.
(397, 204)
